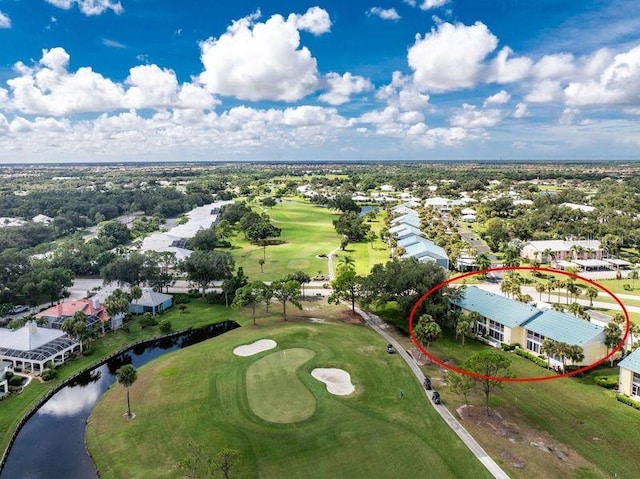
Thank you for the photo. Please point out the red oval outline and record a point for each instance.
(439, 286)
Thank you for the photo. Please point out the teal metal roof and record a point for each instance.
(496, 307)
(563, 327)
(631, 362)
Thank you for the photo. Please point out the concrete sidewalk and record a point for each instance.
(379, 326)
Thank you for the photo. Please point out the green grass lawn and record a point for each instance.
(574, 411)
(201, 394)
(307, 232)
(274, 392)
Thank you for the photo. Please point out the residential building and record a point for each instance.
(151, 302)
(43, 219)
(512, 322)
(562, 250)
(629, 379)
(95, 311)
(425, 250)
(31, 347)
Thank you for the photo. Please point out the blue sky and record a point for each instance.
(109, 80)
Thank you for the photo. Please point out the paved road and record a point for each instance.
(379, 326)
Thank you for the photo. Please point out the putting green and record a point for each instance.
(274, 391)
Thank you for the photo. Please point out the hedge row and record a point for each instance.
(531, 357)
(628, 401)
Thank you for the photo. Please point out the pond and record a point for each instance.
(51, 444)
(366, 208)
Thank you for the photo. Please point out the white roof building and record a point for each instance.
(44, 219)
(31, 347)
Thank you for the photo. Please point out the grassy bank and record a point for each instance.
(371, 433)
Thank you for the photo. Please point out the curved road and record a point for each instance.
(378, 325)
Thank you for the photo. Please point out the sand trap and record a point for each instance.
(255, 348)
(338, 381)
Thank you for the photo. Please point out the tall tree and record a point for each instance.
(612, 337)
(249, 295)
(491, 364)
(345, 287)
(592, 293)
(205, 267)
(463, 329)
(427, 330)
(286, 292)
(127, 375)
(301, 277)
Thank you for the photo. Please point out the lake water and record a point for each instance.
(51, 444)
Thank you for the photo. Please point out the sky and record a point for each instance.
(427, 80)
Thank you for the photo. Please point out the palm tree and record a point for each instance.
(612, 336)
(127, 375)
(135, 293)
(549, 348)
(427, 330)
(540, 288)
(591, 293)
(464, 329)
(575, 353)
(547, 254)
(483, 261)
(346, 262)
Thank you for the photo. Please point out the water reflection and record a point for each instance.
(56, 431)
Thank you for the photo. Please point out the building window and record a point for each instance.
(635, 386)
(534, 341)
(496, 330)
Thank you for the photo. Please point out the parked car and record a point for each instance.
(427, 384)
(389, 348)
(435, 397)
(19, 308)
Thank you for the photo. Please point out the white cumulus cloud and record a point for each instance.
(470, 117)
(618, 84)
(499, 98)
(384, 13)
(50, 88)
(341, 87)
(89, 7)
(5, 21)
(450, 57)
(315, 20)
(263, 61)
(521, 111)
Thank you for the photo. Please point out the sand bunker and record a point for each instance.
(338, 381)
(255, 348)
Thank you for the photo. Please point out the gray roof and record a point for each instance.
(496, 307)
(563, 327)
(409, 240)
(424, 247)
(408, 219)
(151, 298)
(631, 362)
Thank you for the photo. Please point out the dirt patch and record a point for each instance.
(349, 316)
(519, 445)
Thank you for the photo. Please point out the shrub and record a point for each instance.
(606, 382)
(8, 375)
(181, 298)
(531, 357)
(147, 320)
(126, 328)
(627, 287)
(165, 325)
(49, 374)
(628, 401)
(507, 347)
(16, 381)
